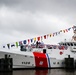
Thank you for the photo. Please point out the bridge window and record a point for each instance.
(74, 44)
(65, 44)
(68, 44)
(71, 44)
(57, 62)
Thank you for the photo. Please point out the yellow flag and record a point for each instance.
(34, 39)
(50, 35)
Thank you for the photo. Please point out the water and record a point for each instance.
(41, 72)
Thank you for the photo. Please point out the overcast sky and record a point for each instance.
(24, 19)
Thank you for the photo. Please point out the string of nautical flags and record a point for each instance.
(39, 38)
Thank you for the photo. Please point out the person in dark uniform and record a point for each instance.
(37, 44)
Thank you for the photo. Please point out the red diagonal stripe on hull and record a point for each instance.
(40, 60)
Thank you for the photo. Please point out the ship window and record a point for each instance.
(22, 62)
(71, 44)
(65, 44)
(68, 44)
(28, 62)
(57, 62)
(9, 56)
(54, 62)
(74, 44)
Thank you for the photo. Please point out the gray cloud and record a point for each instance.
(36, 17)
(51, 6)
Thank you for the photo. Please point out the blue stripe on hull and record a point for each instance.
(48, 61)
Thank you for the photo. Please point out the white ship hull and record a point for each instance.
(51, 59)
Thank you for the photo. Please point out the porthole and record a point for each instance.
(9, 56)
(74, 44)
(28, 62)
(25, 55)
(68, 44)
(54, 62)
(57, 62)
(22, 62)
(71, 44)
